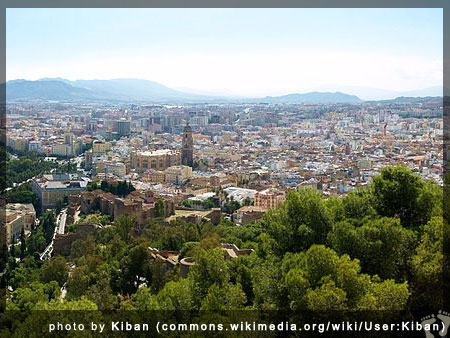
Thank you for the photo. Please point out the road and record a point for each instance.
(47, 252)
(59, 229)
(61, 225)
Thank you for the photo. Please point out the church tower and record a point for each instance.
(187, 150)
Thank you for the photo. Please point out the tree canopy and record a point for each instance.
(378, 248)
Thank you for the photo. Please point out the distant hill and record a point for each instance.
(311, 98)
(435, 91)
(45, 90)
(96, 90)
(122, 90)
(58, 89)
(129, 88)
(375, 94)
(410, 99)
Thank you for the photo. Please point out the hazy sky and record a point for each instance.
(241, 51)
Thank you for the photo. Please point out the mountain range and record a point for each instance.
(375, 94)
(93, 90)
(136, 90)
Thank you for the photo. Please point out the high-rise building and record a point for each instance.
(68, 138)
(187, 149)
(122, 127)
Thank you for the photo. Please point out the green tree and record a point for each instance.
(427, 266)
(225, 297)
(55, 269)
(144, 300)
(297, 285)
(59, 206)
(268, 285)
(229, 207)
(210, 268)
(134, 269)
(245, 236)
(160, 209)
(12, 251)
(187, 250)
(82, 247)
(36, 241)
(101, 294)
(23, 245)
(386, 295)
(327, 297)
(383, 246)
(241, 273)
(21, 276)
(124, 224)
(82, 304)
(130, 187)
(25, 299)
(301, 221)
(48, 224)
(78, 282)
(104, 186)
(4, 256)
(158, 274)
(359, 204)
(25, 167)
(92, 186)
(121, 188)
(176, 296)
(400, 193)
(319, 279)
(24, 194)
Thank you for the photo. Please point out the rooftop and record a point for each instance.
(62, 181)
(158, 152)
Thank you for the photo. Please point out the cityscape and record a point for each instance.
(185, 153)
(126, 194)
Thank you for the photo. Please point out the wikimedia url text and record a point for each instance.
(248, 326)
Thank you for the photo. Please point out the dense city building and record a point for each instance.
(252, 154)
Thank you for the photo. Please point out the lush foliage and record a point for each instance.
(374, 249)
(26, 167)
(24, 194)
(121, 188)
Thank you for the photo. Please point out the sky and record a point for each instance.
(231, 51)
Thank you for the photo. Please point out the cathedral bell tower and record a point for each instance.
(187, 150)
